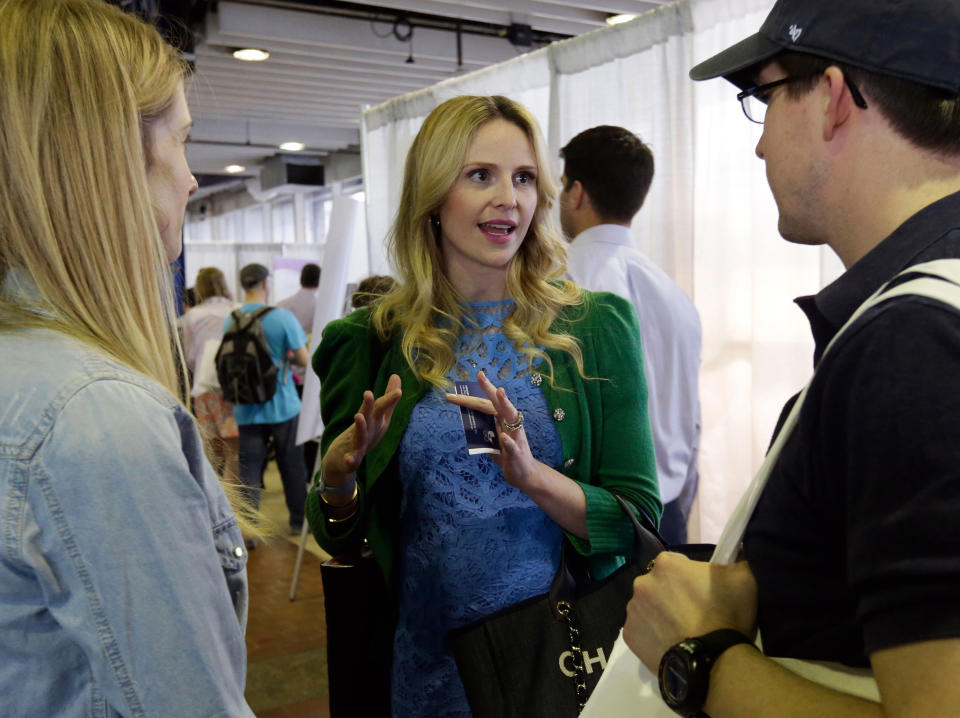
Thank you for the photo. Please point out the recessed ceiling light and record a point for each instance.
(251, 54)
(292, 146)
(619, 19)
(234, 169)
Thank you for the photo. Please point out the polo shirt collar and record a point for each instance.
(829, 309)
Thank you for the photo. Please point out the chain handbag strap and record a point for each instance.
(647, 544)
(569, 618)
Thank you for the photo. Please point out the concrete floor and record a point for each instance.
(286, 640)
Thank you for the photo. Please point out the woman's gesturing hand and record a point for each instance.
(370, 423)
(515, 459)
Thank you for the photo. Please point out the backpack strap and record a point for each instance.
(243, 319)
(259, 313)
(236, 316)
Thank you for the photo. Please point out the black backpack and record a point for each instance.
(245, 368)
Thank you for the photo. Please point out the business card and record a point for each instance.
(479, 429)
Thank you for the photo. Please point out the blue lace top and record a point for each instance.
(471, 544)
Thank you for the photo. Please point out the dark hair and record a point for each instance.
(252, 275)
(371, 289)
(927, 116)
(615, 168)
(310, 276)
(189, 298)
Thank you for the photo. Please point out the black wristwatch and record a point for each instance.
(685, 669)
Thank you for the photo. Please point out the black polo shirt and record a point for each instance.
(855, 542)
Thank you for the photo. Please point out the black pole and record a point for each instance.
(459, 46)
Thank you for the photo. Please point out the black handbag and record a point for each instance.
(544, 656)
(357, 607)
(359, 637)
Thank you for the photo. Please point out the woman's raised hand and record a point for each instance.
(370, 423)
(515, 459)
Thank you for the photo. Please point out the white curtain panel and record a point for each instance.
(384, 149)
(709, 221)
(756, 344)
(634, 84)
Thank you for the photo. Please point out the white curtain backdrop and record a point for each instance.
(709, 221)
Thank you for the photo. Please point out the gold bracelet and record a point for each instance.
(349, 516)
(350, 505)
(353, 498)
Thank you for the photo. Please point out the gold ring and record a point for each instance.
(650, 565)
(515, 426)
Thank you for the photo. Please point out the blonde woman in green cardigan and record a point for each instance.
(458, 535)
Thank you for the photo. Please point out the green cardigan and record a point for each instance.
(602, 422)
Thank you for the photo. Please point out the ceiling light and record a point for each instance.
(292, 146)
(619, 19)
(234, 169)
(251, 54)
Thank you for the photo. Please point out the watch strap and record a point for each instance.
(713, 644)
(696, 658)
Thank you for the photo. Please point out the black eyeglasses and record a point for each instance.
(754, 100)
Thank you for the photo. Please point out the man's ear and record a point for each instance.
(840, 105)
(577, 195)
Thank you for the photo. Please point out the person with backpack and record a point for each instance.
(254, 372)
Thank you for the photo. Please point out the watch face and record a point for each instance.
(674, 684)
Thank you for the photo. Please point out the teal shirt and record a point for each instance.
(603, 425)
(283, 332)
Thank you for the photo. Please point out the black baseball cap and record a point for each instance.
(915, 40)
(252, 274)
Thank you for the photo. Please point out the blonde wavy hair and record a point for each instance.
(80, 83)
(425, 307)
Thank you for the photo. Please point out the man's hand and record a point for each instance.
(681, 599)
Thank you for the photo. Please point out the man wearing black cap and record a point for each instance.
(853, 552)
(277, 417)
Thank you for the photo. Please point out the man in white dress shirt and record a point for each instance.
(607, 172)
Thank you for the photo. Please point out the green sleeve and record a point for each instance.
(342, 362)
(622, 441)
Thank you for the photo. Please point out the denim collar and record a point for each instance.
(19, 285)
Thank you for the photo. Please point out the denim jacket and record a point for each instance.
(122, 569)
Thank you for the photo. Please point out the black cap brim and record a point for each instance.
(735, 59)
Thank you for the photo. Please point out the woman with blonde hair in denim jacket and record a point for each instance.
(121, 563)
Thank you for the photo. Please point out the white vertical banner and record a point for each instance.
(345, 221)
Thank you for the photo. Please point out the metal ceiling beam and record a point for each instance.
(607, 7)
(539, 15)
(295, 56)
(327, 70)
(238, 25)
